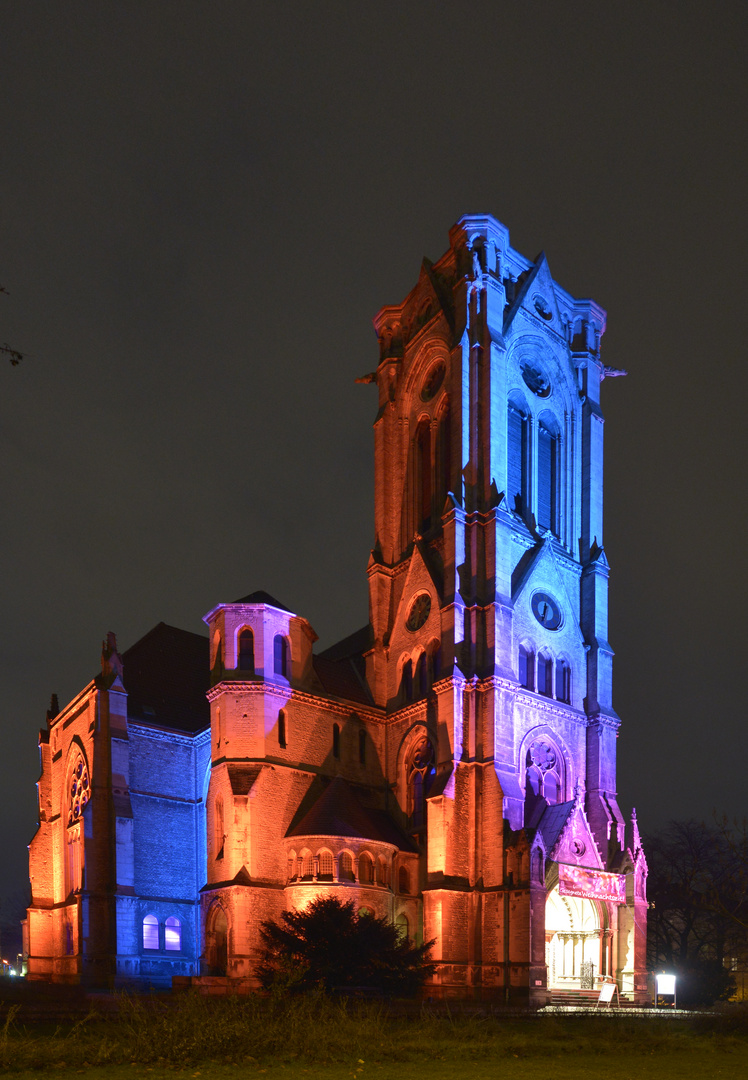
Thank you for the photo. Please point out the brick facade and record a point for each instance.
(445, 766)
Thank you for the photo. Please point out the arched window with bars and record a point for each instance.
(365, 868)
(345, 867)
(173, 934)
(325, 866)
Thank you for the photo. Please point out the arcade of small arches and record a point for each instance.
(348, 868)
(419, 671)
(544, 674)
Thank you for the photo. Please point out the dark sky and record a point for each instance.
(204, 204)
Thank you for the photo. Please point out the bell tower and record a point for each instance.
(488, 579)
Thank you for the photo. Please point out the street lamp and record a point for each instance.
(666, 987)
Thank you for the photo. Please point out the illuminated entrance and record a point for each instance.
(573, 942)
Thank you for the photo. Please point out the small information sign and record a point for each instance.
(606, 994)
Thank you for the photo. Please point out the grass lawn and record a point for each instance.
(621, 1064)
(308, 1038)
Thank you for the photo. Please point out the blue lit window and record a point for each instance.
(545, 675)
(280, 656)
(548, 501)
(563, 681)
(150, 932)
(526, 668)
(517, 428)
(173, 934)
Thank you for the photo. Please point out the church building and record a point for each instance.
(451, 766)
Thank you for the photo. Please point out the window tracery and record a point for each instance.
(420, 773)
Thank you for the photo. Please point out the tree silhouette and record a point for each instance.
(330, 946)
(698, 890)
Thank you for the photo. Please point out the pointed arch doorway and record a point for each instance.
(574, 935)
(216, 941)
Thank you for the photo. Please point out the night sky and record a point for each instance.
(204, 205)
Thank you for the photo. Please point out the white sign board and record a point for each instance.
(666, 985)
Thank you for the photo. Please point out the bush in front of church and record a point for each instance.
(330, 946)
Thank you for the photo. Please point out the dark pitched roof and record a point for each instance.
(343, 678)
(552, 822)
(261, 597)
(338, 812)
(166, 677)
(360, 641)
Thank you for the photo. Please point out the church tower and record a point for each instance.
(488, 604)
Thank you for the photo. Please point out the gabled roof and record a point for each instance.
(338, 812)
(260, 597)
(166, 677)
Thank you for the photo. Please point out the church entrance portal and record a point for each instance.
(216, 942)
(573, 937)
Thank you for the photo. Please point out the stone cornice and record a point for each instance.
(303, 697)
(159, 734)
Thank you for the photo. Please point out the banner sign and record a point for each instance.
(591, 884)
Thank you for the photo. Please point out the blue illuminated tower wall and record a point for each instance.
(489, 492)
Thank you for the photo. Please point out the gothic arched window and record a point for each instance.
(423, 475)
(150, 932)
(78, 793)
(365, 868)
(526, 667)
(443, 456)
(403, 880)
(420, 772)
(219, 836)
(325, 866)
(406, 681)
(545, 675)
(307, 866)
(246, 651)
(280, 656)
(282, 729)
(548, 477)
(517, 457)
(345, 867)
(421, 683)
(543, 786)
(436, 661)
(172, 934)
(563, 681)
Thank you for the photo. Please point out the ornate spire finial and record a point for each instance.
(111, 661)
